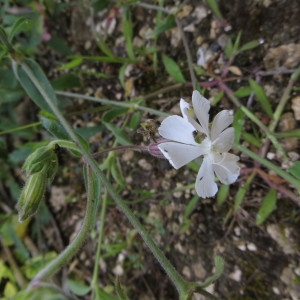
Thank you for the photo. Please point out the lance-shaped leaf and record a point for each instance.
(34, 81)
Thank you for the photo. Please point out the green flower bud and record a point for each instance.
(32, 195)
(44, 156)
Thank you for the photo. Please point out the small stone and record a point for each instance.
(127, 155)
(296, 107)
(145, 165)
(236, 275)
(251, 247)
(186, 272)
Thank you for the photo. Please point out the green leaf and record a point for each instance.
(249, 46)
(173, 69)
(229, 48)
(237, 43)
(219, 269)
(295, 170)
(243, 91)
(191, 206)
(261, 96)
(217, 98)
(167, 24)
(59, 45)
(222, 194)
(135, 120)
(17, 26)
(78, 288)
(45, 293)
(238, 125)
(72, 64)
(66, 81)
(118, 133)
(250, 138)
(268, 205)
(128, 31)
(213, 4)
(30, 75)
(99, 5)
(54, 127)
(122, 75)
(121, 293)
(114, 113)
(102, 295)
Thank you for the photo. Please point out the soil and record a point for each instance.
(261, 262)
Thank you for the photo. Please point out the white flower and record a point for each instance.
(188, 139)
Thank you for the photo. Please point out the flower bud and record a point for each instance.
(44, 156)
(32, 195)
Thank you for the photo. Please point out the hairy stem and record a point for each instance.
(175, 277)
(65, 256)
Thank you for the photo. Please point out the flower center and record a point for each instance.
(198, 136)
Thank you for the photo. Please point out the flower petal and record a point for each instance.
(221, 121)
(177, 129)
(205, 181)
(184, 107)
(201, 106)
(223, 143)
(180, 154)
(226, 167)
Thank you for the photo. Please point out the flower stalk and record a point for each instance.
(180, 284)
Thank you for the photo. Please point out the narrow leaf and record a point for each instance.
(295, 170)
(215, 8)
(173, 69)
(72, 64)
(17, 26)
(261, 96)
(118, 133)
(32, 77)
(249, 46)
(167, 24)
(268, 205)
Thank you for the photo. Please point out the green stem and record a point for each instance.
(94, 283)
(175, 277)
(252, 117)
(75, 245)
(283, 100)
(270, 166)
(131, 105)
(20, 128)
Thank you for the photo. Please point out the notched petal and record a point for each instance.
(221, 121)
(226, 168)
(201, 106)
(205, 181)
(177, 129)
(180, 154)
(223, 143)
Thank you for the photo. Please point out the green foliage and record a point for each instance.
(45, 293)
(232, 49)
(261, 97)
(213, 4)
(267, 207)
(173, 69)
(28, 73)
(295, 170)
(223, 194)
(78, 288)
(168, 23)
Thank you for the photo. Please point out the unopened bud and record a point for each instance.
(44, 158)
(32, 195)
